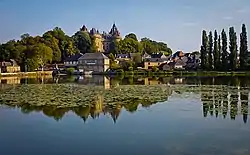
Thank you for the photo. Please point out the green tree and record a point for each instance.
(219, 52)
(129, 45)
(111, 57)
(65, 43)
(216, 52)
(148, 46)
(233, 48)
(114, 47)
(53, 43)
(204, 51)
(132, 36)
(83, 41)
(224, 54)
(210, 51)
(243, 48)
(44, 54)
(93, 45)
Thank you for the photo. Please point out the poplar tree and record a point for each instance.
(203, 51)
(219, 53)
(243, 48)
(224, 54)
(233, 48)
(210, 51)
(216, 52)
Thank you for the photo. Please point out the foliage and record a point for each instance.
(126, 64)
(224, 55)
(26, 51)
(210, 51)
(243, 48)
(70, 71)
(82, 41)
(111, 57)
(216, 52)
(150, 47)
(132, 36)
(155, 69)
(232, 48)
(204, 50)
(219, 53)
(129, 45)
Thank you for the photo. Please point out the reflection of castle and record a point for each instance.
(219, 101)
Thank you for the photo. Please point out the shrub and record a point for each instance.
(70, 71)
(155, 69)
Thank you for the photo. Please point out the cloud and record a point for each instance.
(228, 18)
(243, 10)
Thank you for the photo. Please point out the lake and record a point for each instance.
(116, 115)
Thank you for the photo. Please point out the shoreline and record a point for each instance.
(135, 73)
(25, 74)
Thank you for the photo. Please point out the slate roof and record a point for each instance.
(94, 56)
(158, 55)
(180, 62)
(123, 56)
(156, 59)
(11, 62)
(73, 57)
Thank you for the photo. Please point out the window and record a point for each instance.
(90, 62)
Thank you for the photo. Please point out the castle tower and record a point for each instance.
(98, 40)
(112, 36)
(84, 28)
(114, 32)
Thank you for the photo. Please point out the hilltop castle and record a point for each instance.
(104, 40)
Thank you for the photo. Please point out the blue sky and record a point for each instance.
(177, 22)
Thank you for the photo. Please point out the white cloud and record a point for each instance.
(190, 24)
(243, 10)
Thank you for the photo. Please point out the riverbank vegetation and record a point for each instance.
(218, 53)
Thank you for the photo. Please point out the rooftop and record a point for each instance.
(94, 56)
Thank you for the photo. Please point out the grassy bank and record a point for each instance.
(181, 73)
(25, 74)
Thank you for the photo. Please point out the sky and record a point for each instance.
(178, 23)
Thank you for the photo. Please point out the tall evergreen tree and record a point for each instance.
(204, 48)
(243, 48)
(224, 54)
(210, 51)
(233, 48)
(219, 52)
(216, 52)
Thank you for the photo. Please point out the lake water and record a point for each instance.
(198, 116)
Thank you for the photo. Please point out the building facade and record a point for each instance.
(104, 41)
(9, 66)
(93, 62)
(72, 61)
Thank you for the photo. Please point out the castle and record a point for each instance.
(103, 41)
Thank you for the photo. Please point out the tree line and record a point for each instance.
(221, 54)
(32, 52)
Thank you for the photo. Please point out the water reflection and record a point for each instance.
(220, 96)
(229, 102)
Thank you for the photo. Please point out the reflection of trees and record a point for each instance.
(218, 100)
